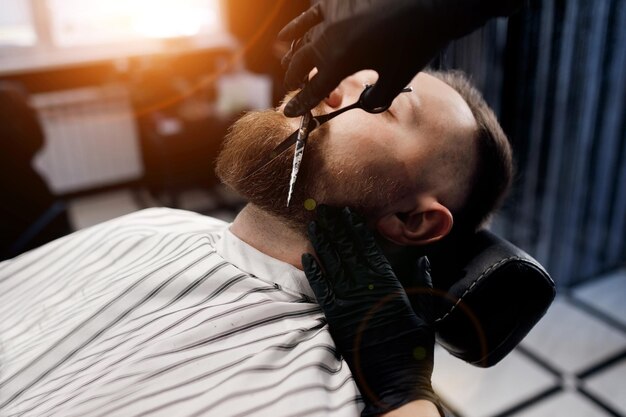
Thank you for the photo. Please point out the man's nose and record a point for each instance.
(350, 89)
(335, 98)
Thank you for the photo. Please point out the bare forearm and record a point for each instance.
(419, 408)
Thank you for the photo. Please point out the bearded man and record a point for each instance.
(166, 312)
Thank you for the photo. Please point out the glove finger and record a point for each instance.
(286, 59)
(301, 24)
(296, 45)
(318, 87)
(421, 274)
(334, 222)
(366, 244)
(302, 62)
(325, 252)
(323, 293)
(419, 287)
(342, 239)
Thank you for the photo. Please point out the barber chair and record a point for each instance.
(494, 294)
(489, 295)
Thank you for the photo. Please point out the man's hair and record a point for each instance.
(494, 169)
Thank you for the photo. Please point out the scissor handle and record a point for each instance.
(362, 98)
(378, 109)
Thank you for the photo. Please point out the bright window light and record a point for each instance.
(89, 22)
(16, 24)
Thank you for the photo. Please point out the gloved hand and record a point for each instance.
(395, 38)
(388, 346)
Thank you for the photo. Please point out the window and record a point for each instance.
(51, 33)
(83, 22)
(16, 24)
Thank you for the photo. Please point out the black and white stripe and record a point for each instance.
(141, 316)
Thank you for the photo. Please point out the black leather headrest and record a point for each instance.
(491, 293)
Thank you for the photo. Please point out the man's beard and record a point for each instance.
(248, 146)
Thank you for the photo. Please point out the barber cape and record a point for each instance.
(164, 313)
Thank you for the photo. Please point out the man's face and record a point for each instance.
(370, 162)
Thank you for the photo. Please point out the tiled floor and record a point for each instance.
(572, 364)
(607, 296)
(609, 386)
(563, 403)
(572, 341)
(477, 392)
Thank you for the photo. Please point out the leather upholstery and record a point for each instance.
(491, 294)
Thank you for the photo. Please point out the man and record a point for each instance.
(164, 312)
(436, 158)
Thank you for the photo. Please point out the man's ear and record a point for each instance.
(426, 223)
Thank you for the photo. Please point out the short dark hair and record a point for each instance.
(494, 169)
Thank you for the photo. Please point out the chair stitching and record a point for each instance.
(484, 274)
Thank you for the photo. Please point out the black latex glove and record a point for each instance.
(388, 346)
(396, 38)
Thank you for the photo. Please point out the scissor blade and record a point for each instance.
(298, 153)
(295, 168)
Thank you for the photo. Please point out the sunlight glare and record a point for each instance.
(78, 22)
(167, 18)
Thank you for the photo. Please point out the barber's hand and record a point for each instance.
(395, 38)
(388, 346)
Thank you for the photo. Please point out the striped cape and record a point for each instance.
(164, 313)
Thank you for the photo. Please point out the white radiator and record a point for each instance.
(90, 138)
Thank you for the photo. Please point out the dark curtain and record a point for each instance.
(556, 75)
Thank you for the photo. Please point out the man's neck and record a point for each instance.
(270, 235)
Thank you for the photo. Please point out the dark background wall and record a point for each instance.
(556, 74)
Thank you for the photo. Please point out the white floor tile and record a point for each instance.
(571, 340)
(87, 211)
(609, 386)
(563, 404)
(478, 392)
(606, 294)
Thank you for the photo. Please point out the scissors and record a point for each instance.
(308, 123)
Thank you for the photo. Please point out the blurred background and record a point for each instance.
(111, 106)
